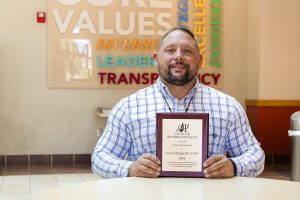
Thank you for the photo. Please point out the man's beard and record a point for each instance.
(169, 77)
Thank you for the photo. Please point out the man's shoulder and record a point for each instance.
(207, 90)
(142, 93)
(214, 96)
(131, 101)
(138, 95)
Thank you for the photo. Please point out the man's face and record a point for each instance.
(178, 59)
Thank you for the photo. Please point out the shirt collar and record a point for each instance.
(164, 90)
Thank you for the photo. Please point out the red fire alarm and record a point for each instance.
(41, 17)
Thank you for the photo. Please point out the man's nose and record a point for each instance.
(178, 55)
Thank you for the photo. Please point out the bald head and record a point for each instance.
(190, 33)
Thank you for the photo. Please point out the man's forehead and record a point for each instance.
(178, 32)
(172, 38)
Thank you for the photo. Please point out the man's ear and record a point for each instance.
(155, 58)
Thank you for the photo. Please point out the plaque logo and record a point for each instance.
(183, 127)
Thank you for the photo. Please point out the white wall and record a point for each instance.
(280, 50)
(38, 120)
(274, 49)
(252, 83)
(235, 48)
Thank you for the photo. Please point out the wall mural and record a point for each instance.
(109, 43)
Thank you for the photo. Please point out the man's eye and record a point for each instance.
(170, 50)
(187, 51)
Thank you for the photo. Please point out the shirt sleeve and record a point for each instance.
(108, 158)
(245, 150)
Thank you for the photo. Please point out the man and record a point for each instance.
(131, 126)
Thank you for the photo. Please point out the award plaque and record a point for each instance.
(182, 143)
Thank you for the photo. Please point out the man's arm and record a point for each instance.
(108, 158)
(247, 158)
(242, 145)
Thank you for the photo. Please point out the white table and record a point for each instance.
(177, 188)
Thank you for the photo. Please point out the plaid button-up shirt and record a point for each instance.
(131, 129)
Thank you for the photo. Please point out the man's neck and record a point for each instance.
(180, 91)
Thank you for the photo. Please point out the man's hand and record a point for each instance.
(147, 165)
(218, 166)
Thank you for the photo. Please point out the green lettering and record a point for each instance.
(99, 64)
(216, 16)
(216, 45)
(215, 2)
(142, 61)
(216, 31)
(151, 61)
(120, 61)
(215, 60)
(131, 61)
(108, 61)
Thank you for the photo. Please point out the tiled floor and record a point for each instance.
(23, 182)
(277, 171)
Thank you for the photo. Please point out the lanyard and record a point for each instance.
(186, 108)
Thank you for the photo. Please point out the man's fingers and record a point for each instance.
(218, 173)
(139, 170)
(151, 157)
(218, 167)
(151, 161)
(210, 161)
(150, 164)
(215, 166)
(146, 166)
(148, 172)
